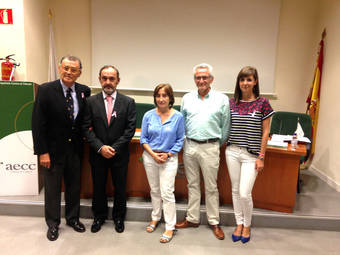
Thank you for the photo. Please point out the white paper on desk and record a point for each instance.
(280, 138)
(304, 139)
(277, 144)
(287, 138)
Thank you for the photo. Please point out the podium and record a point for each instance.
(18, 165)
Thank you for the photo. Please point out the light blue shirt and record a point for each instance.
(208, 118)
(166, 137)
(74, 97)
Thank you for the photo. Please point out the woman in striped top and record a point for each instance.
(250, 120)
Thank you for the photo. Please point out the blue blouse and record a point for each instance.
(167, 137)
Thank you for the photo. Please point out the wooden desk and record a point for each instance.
(274, 189)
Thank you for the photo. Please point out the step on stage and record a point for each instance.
(317, 207)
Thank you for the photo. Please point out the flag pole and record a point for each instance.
(313, 99)
(52, 64)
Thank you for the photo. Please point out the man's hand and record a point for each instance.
(107, 151)
(44, 160)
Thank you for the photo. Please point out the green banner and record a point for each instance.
(16, 105)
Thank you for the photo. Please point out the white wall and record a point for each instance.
(36, 38)
(326, 159)
(27, 38)
(72, 21)
(156, 41)
(13, 38)
(296, 54)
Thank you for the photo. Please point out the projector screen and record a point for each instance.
(160, 41)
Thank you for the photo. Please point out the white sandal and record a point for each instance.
(165, 238)
(151, 228)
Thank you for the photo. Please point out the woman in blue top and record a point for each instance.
(162, 138)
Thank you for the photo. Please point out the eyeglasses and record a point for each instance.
(204, 78)
(70, 69)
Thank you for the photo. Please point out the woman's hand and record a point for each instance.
(160, 157)
(164, 157)
(259, 165)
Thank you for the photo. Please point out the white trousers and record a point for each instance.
(161, 178)
(207, 158)
(241, 168)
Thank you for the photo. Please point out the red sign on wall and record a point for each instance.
(6, 16)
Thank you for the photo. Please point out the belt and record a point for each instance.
(159, 151)
(212, 140)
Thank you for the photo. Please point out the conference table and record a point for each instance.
(274, 189)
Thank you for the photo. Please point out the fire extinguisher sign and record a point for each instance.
(6, 16)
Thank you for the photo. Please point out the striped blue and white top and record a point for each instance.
(246, 123)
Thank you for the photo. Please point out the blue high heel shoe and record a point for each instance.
(245, 239)
(235, 238)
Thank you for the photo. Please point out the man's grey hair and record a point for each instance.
(203, 66)
(71, 58)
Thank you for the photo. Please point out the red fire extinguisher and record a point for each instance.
(8, 68)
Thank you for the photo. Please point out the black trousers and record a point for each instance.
(68, 167)
(100, 170)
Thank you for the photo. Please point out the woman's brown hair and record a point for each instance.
(245, 72)
(168, 90)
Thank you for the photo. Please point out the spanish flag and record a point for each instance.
(313, 100)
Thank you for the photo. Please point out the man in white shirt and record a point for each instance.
(207, 120)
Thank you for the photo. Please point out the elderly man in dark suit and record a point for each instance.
(109, 125)
(56, 128)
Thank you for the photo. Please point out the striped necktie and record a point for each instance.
(69, 103)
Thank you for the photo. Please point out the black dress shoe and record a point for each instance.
(119, 225)
(77, 226)
(52, 233)
(97, 225)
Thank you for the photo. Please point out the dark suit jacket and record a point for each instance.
(51, 128)
(120, 131)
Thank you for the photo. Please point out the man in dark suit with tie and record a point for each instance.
(56, 127)
(109, 125)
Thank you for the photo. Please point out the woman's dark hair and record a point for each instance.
(168, 90)
(245, 72)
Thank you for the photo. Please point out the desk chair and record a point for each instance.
(285, 123)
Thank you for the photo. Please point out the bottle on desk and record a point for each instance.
(294, 142)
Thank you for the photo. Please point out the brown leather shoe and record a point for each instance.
(186, 224)
(218, 232)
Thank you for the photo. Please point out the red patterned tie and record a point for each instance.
(109, 108)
